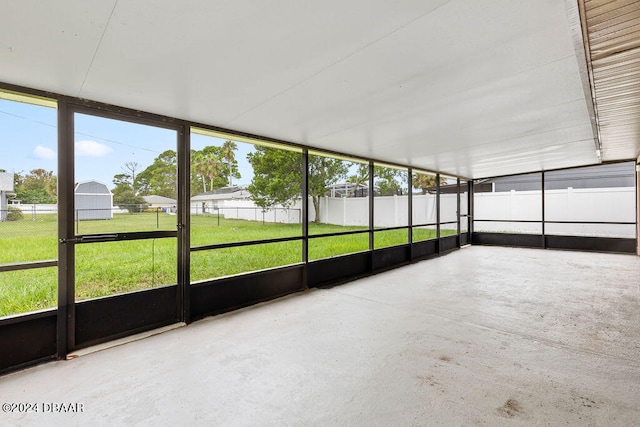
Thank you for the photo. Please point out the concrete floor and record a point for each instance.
(483, 336)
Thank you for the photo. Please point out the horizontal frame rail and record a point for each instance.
(244, 243)
(116, 237)
(16, 266)
(531, 221)
(339, 233)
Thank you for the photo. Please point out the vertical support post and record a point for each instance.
(305, 211)
(438, 211)
(470, 210)
(637, 209)
(65, 340)
(543, 192)
(371, 217)
(371, 206)
(458, 209)
(410, 213)
(184, 224)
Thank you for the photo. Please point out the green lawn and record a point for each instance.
(115, 267)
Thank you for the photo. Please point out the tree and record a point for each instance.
(323, 172)
(425, 182)
(160, 178)
(277, 178)
(125, 198)
(38, 186)
(228, 154)
(124, 193)
(129, 175)
(198, 170)
(122, 179)
(215, 166)
(361, 177)
(385, 179)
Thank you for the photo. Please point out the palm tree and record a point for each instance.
(199, 166)
(424, 182)
(228, 149)
(213, 169)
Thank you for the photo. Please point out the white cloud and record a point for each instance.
(91, 149)
(44, 152)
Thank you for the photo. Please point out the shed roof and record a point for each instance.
(91, 187)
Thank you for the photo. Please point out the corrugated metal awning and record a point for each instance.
(613, 45)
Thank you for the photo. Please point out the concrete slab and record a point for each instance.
(483, 336)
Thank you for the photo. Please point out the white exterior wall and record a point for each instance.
(3, 206)
(6, 185)
(93, 200)
(93, 206)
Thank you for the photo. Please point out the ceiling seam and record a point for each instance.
(95, 52)
(344, 58)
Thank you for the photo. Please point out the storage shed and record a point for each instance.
(93, 200)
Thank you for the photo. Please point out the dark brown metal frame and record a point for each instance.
(53, 333)
(556, 241)
(70, 333)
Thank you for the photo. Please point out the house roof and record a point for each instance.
(225, 193)
(158, 199)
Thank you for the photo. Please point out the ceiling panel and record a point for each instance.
(429, 95)
(218, 59)
(48, 45)
(459, 86)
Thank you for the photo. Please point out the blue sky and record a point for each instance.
(28, 137)
(28, 140)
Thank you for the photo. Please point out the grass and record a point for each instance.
(115, 267)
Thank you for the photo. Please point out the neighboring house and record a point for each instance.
(160, 202)
(93, 200)
(6, 187)
(209, 201)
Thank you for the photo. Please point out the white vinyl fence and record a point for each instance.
(589, 205)
(249, 211)
(586, 205)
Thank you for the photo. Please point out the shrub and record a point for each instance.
(14, 214)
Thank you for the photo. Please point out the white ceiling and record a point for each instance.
(465, 87)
